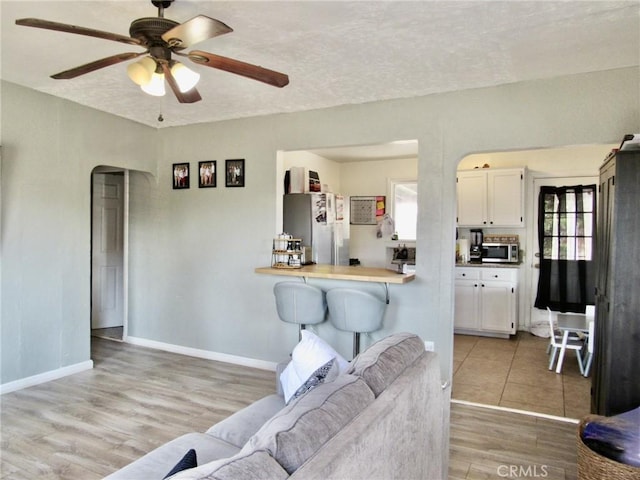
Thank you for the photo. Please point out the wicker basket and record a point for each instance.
(593, 466)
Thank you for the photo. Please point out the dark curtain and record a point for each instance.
(566, 236)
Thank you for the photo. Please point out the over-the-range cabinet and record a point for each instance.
(616, 368)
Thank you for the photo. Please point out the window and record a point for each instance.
(568, 223)
(404, 194)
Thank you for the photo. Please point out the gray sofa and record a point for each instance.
(382, 419)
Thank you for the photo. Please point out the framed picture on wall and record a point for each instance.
(234, 173)
(363, 210)
(180, 175)
(207, 174)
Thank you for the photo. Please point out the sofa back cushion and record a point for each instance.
(302, 427)
(383, 361)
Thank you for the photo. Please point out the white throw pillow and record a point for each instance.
(308, 356)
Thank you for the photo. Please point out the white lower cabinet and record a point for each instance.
(485, 301)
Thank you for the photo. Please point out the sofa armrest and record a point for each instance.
(242, 425)
(158, 462)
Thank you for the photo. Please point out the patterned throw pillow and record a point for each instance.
(311, 353)
(325, 374)
(188, 461)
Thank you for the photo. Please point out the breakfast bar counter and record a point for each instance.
(342, 272)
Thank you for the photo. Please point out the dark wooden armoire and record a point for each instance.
(616, 365)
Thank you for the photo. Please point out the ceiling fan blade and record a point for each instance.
(196, 30)
(190, 96)
(248, 70)
(98, 64)
(63, 27)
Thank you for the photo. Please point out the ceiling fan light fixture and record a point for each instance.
(141, 71)
(156, 86)
(185, 77)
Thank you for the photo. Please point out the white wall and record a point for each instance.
(50, 147)
(193, 252)
(328, 170)
(224, 306)
(368, 178)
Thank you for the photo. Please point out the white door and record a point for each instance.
(107, 250)
(537, 315)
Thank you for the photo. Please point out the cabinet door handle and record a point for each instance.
(483, 285)
(495, 276)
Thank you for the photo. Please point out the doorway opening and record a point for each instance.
(513, 373)
(109, 212)
(371, 171)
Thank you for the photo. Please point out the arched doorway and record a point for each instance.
(109, 211)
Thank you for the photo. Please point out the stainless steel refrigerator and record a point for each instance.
(319, 219)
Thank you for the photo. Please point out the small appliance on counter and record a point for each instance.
(501, 248)
(462, 250)
(403, 256)
(475, 249)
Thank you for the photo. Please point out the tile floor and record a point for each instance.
(514, 373)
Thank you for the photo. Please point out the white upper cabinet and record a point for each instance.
(491, 197)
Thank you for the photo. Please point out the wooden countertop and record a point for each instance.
(342, 272)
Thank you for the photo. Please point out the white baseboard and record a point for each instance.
(209, 355)
(45, 377)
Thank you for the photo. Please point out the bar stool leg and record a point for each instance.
(356, 344)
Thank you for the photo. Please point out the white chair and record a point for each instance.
(300, 303)
(355, 311)
(588, 356)
(558, 334)
(590, 311)
(556, 346)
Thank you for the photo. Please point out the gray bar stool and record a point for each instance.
(355, 311)
(300, 303)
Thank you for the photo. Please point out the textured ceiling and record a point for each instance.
(335, 52)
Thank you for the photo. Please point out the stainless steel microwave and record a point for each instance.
(500, 252)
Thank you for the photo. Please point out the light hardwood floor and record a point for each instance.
(89, 424)
(492, 444)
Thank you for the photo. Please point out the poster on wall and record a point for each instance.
(339, 208)
(367, 210)
(380, 207)
(363, 211)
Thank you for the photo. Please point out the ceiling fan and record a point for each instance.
(162, 37)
